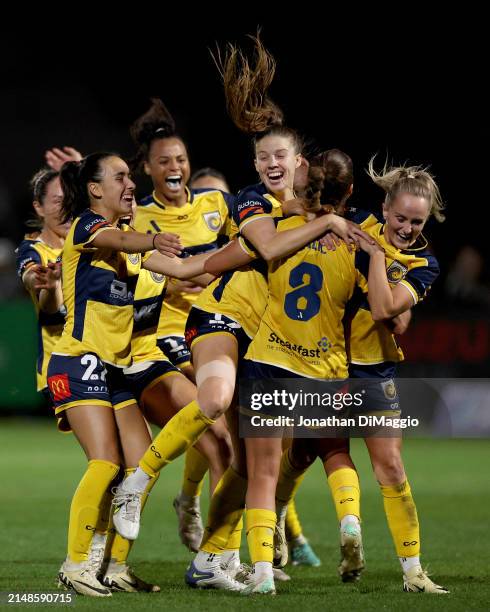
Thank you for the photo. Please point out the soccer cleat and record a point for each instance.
(351, 553)
(303, 554)
(127, 512)
(96, 552)
(120, 577)
(190, 524)
(211, 578)
(416, 580)
(281, 552)
(261, 586)
(244, 573)
(82, 578)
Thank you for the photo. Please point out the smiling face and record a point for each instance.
(113, 195)
(169, 168)
(49, 209)
(405, 218)
(276, 160)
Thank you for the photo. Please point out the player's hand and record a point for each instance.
(55, 158)
(183, 286)
(168, 244)
(330, 241)
(349, 232)
(47, 277)
(369, 245)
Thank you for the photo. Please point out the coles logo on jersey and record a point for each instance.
(212, 220)
(59, 387)
(396, 272)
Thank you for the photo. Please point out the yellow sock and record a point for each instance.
(235, 540)
(85, 507)
(293, 526)
(346, 493)
(260, 534)
(120, 547)
(179, 433)
(289, 480)
(403, 522)
(196, 466)
(225, 511)
(104, 517)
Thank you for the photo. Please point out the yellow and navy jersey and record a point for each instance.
(302, 328)
(242, 294)
(98, 287)
(203, 224)
(371, 342)
(148, 301)
(33, 252)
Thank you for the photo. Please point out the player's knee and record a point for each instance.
(215, 397)
(389, 468)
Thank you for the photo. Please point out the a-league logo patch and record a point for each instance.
(59, 387)
(396, 272)
(212, 220)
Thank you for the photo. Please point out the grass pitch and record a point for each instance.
(40, 468)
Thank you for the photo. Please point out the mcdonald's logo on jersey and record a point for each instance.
(59, 387)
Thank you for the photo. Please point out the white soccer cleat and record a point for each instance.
(281, 552)
(351, 553)
(127, 512)
(263, 585)
(191, 529)
(211, 578)
(244, 573)
(82, 578)
(96, 552)
(418, 581)
(120, 577)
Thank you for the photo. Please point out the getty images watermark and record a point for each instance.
(360, 407)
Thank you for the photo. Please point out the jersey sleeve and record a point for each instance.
(250, 206)
(27, 256)
(419, 279)
(87, 228)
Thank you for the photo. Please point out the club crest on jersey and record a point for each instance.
(158, 278)
(134, 258)
(389, 389)
(212, 220)
(396, 272)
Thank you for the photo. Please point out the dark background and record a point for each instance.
(409, 89)
(396, 80)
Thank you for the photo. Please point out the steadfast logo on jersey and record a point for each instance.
(396, 272)
(212, 220)
(59, 386)
(296, 348)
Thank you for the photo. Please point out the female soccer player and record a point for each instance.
(38, 269)
(100, 268)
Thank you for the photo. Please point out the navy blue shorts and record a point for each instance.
(201, 324)
(175, 350)
(378, 383)
(85, 379)
(139, 381)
